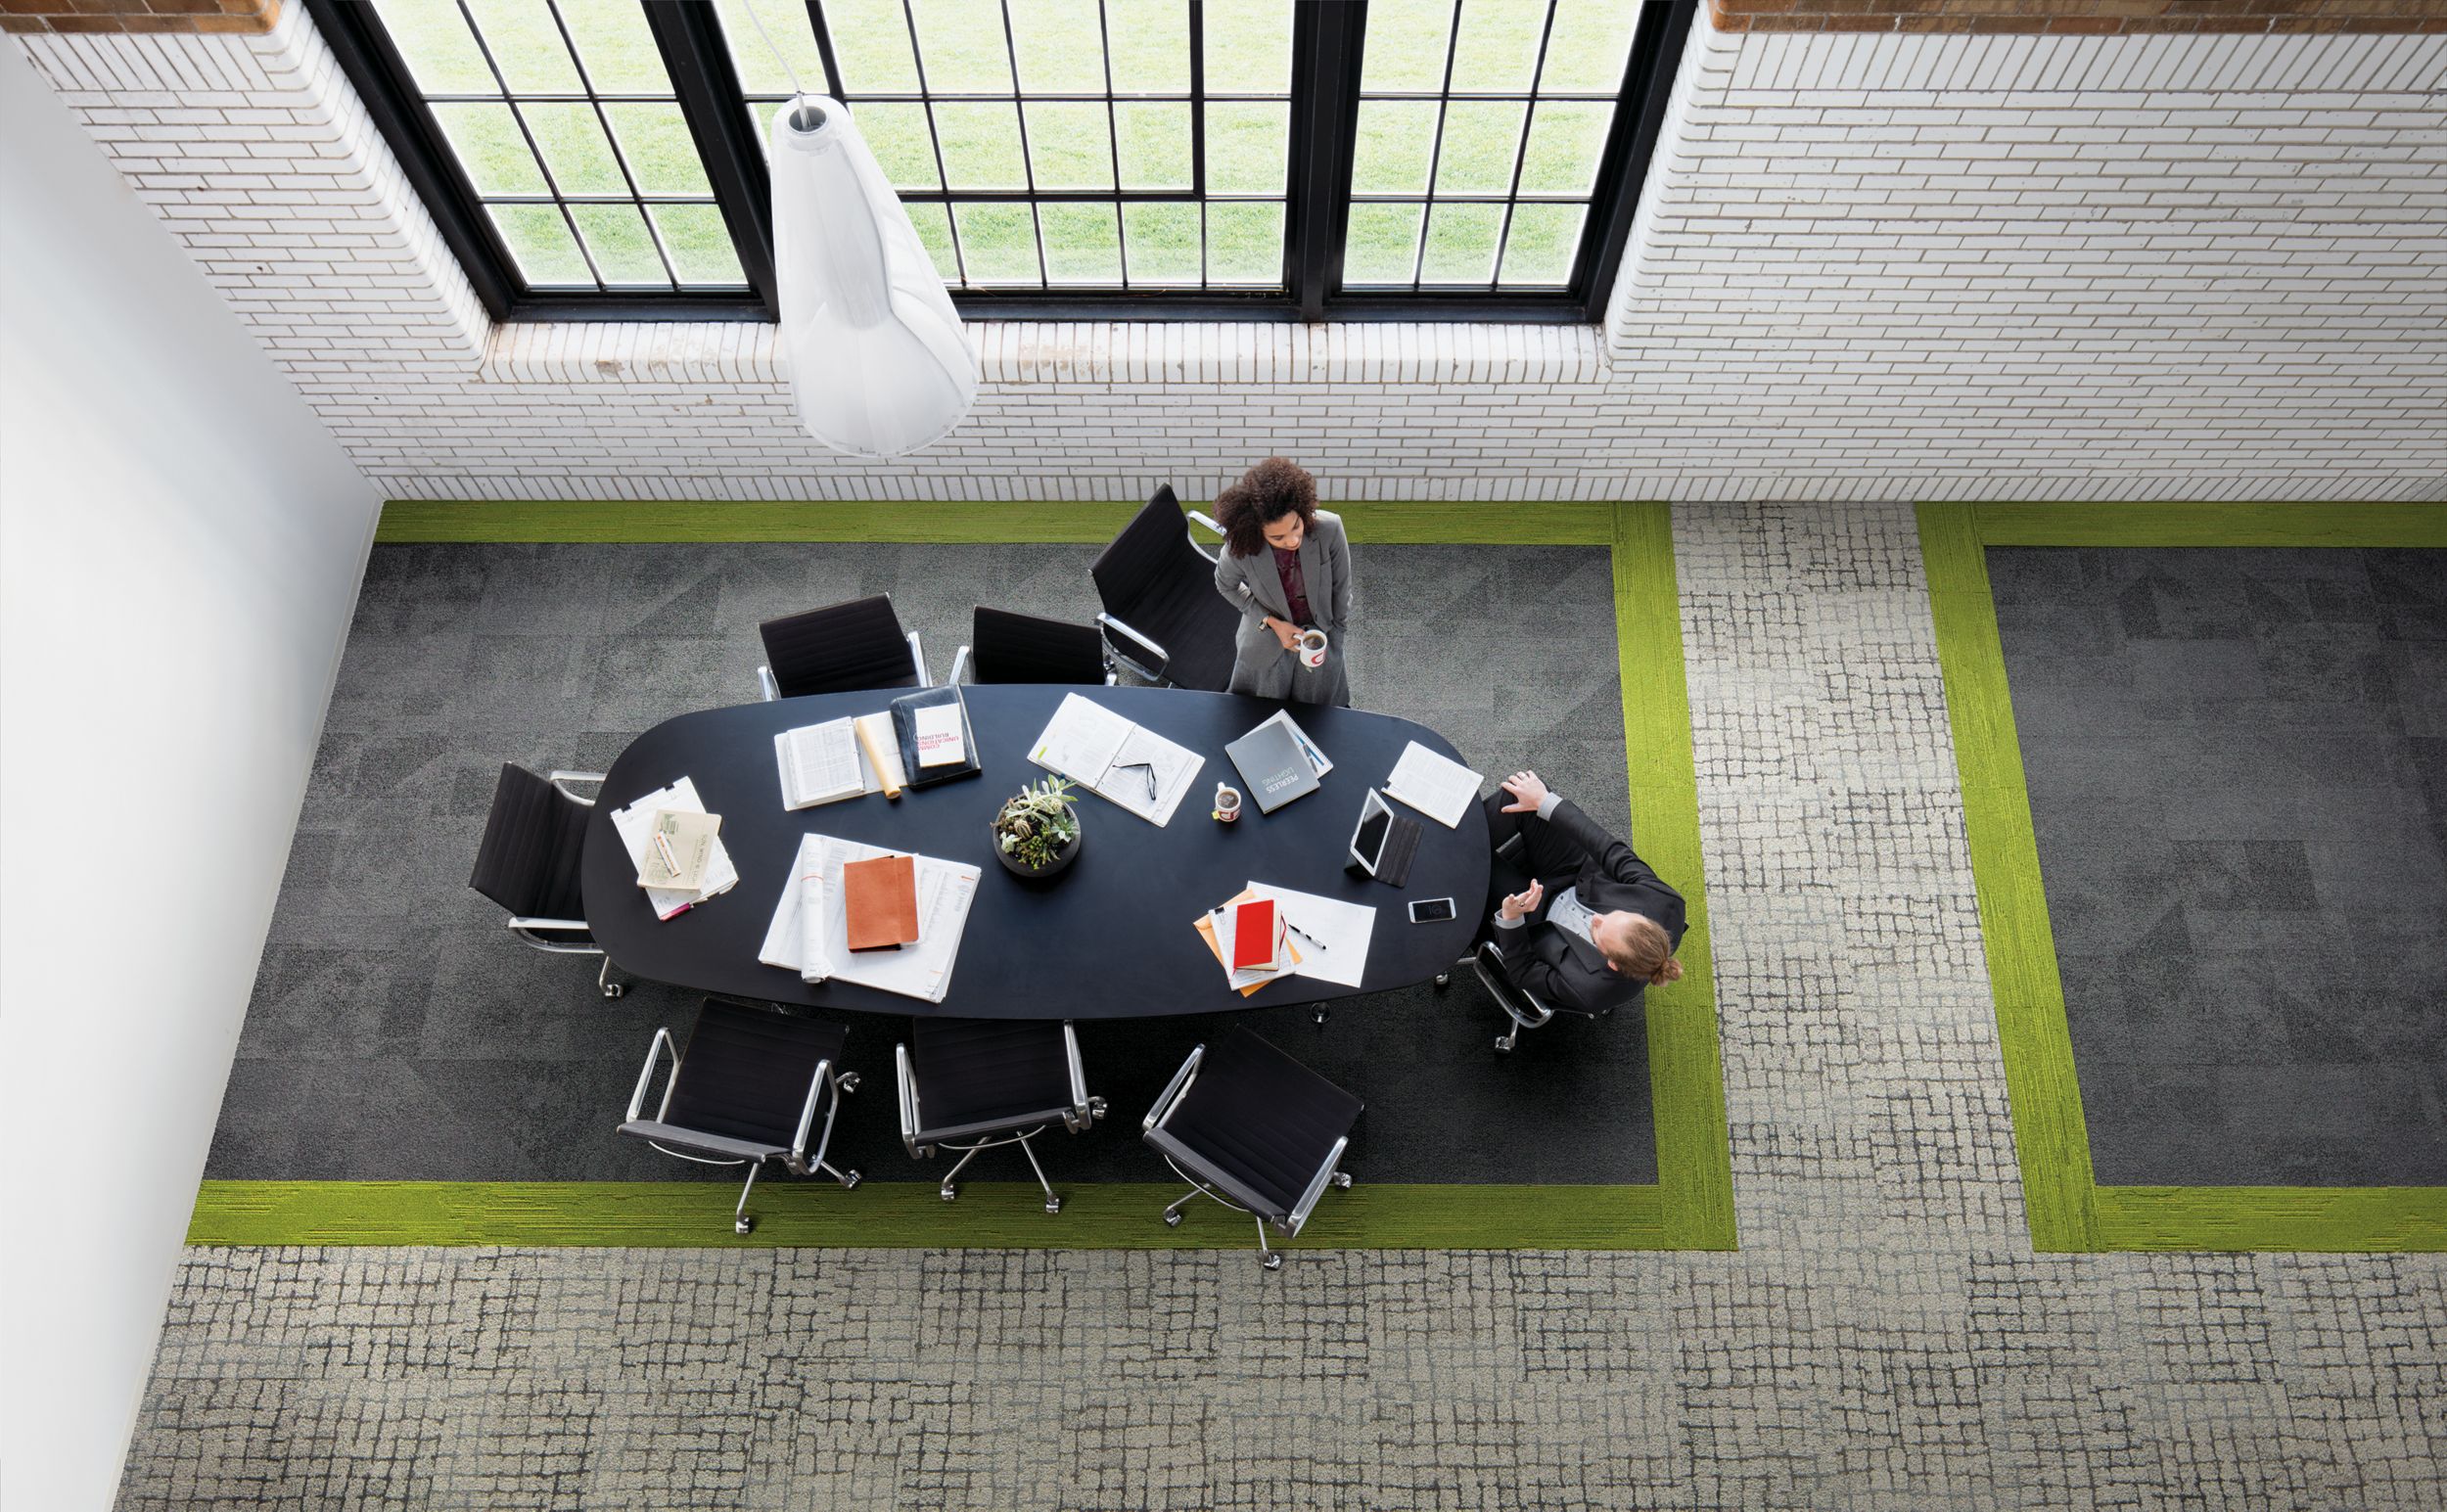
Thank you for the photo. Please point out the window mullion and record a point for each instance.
(710, 101)
(1326, 57)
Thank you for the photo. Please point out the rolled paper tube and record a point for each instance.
(814, 964)
(875, 759)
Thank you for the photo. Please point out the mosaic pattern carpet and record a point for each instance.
(2237, 770)
(1884, 1339)
(398, 1032)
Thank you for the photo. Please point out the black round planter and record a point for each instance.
(1060, 863)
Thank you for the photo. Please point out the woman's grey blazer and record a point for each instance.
(1251, 584)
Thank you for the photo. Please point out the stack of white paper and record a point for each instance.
(795, 941)
(1440, 789)
(1332, 935)
(635, 827)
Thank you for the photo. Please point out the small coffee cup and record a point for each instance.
(1312, 648)
(1226, 803)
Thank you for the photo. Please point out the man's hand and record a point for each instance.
(1527, 793)
(1285, 631)
(1520, 906)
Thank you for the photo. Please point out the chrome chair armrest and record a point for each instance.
(959, 666)
(908, 1099)
(561, 780)
(1199, 517)
(806, 1114)
(1509, 996)
(529, 930)
(1315, 1189)
(1084, 1110)
(1177, 1089)
(1161, 658)
(765, 684)
(918, 659)
(645, 1077)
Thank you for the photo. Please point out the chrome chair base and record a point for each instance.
(951, 1188)
(1268, 1256)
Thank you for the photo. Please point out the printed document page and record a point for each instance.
(1332, 936)
(1081, 739)
(1172, 769)
(1440, 789)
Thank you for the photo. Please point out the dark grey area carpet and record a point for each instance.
(2237, 768)
(399, 1031)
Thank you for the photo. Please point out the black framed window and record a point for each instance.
(1157, 158)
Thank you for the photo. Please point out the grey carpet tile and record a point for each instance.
(1884, 1339)
(2237, 799)
(396, 1030)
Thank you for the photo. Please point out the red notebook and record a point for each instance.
(1253, 935)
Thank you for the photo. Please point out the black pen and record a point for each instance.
(1303, 934)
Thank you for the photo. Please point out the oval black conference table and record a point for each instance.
(1112, 937)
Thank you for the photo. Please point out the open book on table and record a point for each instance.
(1119, 760)
(844, 757)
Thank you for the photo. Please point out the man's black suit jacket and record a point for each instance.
(1557, 965)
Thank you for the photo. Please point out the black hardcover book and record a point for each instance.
(905, 727)
(1273, 765)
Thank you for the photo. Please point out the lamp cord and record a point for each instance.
(797, 91)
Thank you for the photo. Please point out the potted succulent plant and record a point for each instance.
(1037, 834)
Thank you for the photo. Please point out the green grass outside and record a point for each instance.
(1690, 1207)
(1060, 47)
(2067, 1210)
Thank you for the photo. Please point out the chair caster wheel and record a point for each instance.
(1503, 1046)
(1341, 1182)
(615, 989)
(849, 1083)
(1053, 1205)
(948, 1192)
(1443, 980)
(1273, 1263)
(850, 1179)
(742, 1225)
(1171, 1220)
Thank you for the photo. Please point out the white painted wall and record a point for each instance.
(1865, 266)
(180, 545)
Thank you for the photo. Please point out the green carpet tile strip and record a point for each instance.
(1690, 1207)
(2067, 1210)
(1391, 524)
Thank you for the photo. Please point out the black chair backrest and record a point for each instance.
(1151, 549)
(1152, 579)
(1008, 647)
(1261, 1115)
(527, 862)
(838, 649)
(745, 1071)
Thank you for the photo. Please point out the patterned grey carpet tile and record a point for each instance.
(397, 1031)
(2244, 856)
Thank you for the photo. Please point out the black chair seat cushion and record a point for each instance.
(745, 1071)
(1152, 579)
(1262, 1118)
(841, 647)
(974, 1073)
(1008, 647)
(533, 837)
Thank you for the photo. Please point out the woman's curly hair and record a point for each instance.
(1265, 493)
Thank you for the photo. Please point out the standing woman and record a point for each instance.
(1287, 567)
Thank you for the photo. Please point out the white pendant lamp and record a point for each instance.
(879, 364)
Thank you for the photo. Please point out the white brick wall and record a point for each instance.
(1868, 267)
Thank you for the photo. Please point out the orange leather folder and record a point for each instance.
(879, 902)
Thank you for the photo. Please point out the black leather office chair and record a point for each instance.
(1253, 1128)
(989, 1083)
(1162, 615)
(527, 862)
(746, 1090)
(1008, 647)
(841, 647)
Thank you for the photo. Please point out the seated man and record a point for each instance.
(1609, 926)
